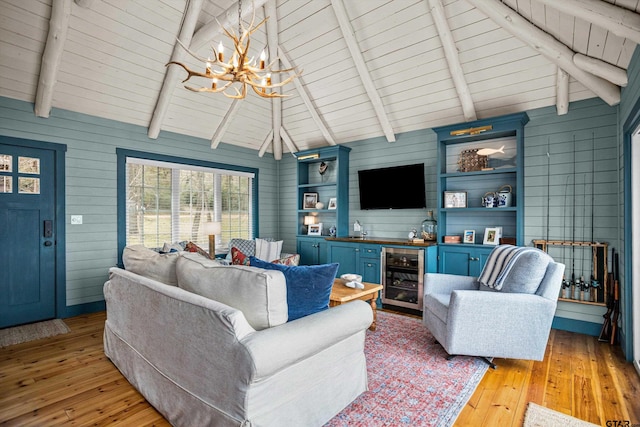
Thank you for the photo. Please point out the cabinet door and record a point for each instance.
(370, 270)
(480, 259)
(346, 255)
(455, 260)
(311, 251)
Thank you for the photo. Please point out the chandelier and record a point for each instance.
(239, 68)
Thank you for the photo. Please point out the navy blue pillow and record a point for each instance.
(308, 286)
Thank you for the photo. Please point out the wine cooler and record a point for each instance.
(402, 277)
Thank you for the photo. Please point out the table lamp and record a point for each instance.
(212, 228)
(309, 220)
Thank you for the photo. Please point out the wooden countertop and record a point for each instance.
(382, 241)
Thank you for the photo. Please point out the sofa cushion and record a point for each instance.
(246, 246)
(149, 263)
(268, 251)
(192, 247)
(261, 295)
(308, 286)
(238, 258)
(288, 259)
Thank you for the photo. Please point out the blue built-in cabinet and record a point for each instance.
(323, 175)
(465, 175)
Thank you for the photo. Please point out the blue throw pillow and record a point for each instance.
(308, 286)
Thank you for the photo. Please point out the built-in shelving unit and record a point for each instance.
(503, 140)
(331, 185)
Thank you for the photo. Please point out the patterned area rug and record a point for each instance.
(33, 331)
(410, 381)
(539, 416)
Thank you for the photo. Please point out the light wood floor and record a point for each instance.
(67, 380)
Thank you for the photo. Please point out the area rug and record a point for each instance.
(410, 380)
(539, 416)
(33, 331)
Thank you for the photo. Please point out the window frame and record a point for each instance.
(123, 154)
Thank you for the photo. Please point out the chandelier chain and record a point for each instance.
(239, 18)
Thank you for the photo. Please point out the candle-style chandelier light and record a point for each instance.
(240, 68)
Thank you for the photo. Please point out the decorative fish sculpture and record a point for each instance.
(489, 151)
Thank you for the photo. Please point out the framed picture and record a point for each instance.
(315, 230)
(333, 203)
(492, 235)
(309, 200)
(469, 236)
(455, 199)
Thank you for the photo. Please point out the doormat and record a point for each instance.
(539, 416)
(410, 380)
(33, 331)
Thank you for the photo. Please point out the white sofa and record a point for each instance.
(234, 361)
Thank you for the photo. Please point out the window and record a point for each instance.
(170, 202)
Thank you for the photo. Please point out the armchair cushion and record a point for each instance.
(308, 286)
(515, 269)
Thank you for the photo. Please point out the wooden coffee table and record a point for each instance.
(341, 294)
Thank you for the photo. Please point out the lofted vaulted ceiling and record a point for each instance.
(371, 68)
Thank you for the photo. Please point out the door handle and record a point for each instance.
(48, 243)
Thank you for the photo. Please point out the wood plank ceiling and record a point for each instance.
(373, 68)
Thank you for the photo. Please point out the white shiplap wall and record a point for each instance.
(91, 182)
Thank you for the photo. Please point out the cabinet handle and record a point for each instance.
(474, 259)
(357, 250)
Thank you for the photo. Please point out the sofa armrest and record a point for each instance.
(277, 348)
(437, 283)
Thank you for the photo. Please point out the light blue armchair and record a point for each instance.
(468, 318)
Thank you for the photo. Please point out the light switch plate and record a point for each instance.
(76, 219)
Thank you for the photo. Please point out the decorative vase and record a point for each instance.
(430, 228)
(319, 205)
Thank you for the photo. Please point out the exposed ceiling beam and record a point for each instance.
(615, 75)
(84, 3)
(562, 92)
(306, 98)
(228, 18)
(276, 103)
(51, 57)
(265, 143)
(547, 46)
(172, 74)
(620, 21)
(453, 60)
(224, 124)
(361, 66)
(288, 141)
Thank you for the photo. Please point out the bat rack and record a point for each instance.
(599, 263)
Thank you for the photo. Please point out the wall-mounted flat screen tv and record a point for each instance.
(396, 187)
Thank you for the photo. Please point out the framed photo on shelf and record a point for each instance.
(492, 235)
(315, 230)
(455, 199)
(469, 236)
(333, 203)
(309, 200)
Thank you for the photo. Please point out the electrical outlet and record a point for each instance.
(76, 219)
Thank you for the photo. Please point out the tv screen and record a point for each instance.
(396, 187)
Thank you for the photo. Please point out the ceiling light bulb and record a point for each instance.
(263, 56)
(220, 52)
(214, 83)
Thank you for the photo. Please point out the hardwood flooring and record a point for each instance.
(67, 380)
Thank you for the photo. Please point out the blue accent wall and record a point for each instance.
(91, 191)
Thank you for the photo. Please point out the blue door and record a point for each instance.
(27, 235)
